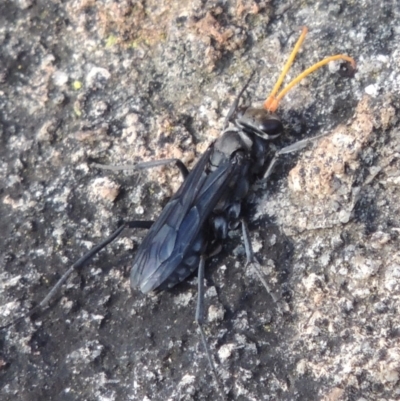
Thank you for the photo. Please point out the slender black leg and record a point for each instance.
(77, 266)
(294, 147)
(200, 321)
(236, 102)
(144, 165)
(251, 259)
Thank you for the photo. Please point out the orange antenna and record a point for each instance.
(272, 102)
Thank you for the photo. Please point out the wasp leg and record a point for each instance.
(199, 318)
(144, 165)
(235, 104)
(252, 260)
(77, 266)
(294, 147)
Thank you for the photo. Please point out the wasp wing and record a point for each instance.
(178, 226)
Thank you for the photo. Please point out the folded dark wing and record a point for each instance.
(173, 234)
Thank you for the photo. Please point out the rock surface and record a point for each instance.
(118, 82)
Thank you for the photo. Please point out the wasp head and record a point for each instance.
(260, 122)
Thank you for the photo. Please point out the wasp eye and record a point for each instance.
(271, 126)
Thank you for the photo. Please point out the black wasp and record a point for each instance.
(196, 220)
